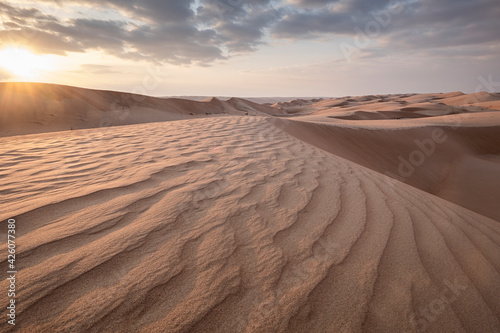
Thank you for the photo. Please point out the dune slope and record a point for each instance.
(233, 225)
(27, 108)
(456, 161)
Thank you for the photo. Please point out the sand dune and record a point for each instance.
(232, 225)
(27, 108)
(251, 108)
(412, 155)
(259, 100)
(394, 135)
(405, 105)
(236, 223)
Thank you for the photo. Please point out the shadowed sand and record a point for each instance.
(249, 224)
(27, 108)
(460, 163)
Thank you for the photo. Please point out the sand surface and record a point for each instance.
(234, 223)
(27, 108)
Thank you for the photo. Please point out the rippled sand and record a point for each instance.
(234, 224)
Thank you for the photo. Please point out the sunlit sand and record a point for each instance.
(141, 214)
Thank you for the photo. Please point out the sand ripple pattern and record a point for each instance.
(229, 224)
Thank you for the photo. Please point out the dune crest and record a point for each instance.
(27, 108)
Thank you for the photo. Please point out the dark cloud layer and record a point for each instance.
(204, 31)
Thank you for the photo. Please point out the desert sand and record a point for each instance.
(143, 214)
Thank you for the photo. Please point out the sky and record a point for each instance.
(306, 48)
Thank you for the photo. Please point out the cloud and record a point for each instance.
(206, 31)
(397, 26)
(97, 69)
(167, 37)
(178, 32)
(22, 15)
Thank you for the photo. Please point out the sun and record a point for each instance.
(23, 64)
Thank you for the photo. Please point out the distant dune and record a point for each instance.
(259, 100)
(358, 214)
(27, 108)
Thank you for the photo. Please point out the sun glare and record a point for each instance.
(22, 63)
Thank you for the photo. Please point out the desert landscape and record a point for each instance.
(236, 166)
(357, 214)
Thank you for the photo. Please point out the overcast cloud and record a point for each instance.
(204, 31)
